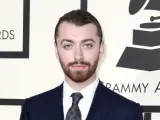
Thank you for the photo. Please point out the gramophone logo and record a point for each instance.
(149, 36)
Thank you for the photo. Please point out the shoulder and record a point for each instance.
(121, 106)
(120, 102)
(46, 96)
(40, 103)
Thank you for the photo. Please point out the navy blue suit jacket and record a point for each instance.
(106, 105)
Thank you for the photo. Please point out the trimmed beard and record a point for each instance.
(79, 76)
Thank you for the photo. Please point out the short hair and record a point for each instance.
(79, 17)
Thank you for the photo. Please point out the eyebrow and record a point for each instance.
(71, 41)
(86, 40)
(66, 40)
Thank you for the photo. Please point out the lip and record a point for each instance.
(79, 66)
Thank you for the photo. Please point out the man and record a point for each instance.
(79, 47)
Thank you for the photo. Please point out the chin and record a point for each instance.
(78, 81)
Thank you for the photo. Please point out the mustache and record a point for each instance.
(79, 62)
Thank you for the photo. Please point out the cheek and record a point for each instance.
(91, 56)
(65, 57)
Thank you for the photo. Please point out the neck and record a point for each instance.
(79, 86)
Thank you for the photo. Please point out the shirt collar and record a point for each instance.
(87, 92)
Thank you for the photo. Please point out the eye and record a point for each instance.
(67, 46)
(88, 45)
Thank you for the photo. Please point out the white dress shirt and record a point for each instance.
(85, 102)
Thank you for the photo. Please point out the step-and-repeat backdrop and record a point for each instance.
(130, 67)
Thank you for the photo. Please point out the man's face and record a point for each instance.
(78, 50)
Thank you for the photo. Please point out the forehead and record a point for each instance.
(71, 31)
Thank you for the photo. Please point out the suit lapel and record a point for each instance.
(55, 104)
(100, 106)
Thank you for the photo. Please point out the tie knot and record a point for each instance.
(76, 97)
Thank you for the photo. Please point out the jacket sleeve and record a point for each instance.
(137, 115)
(24, 112)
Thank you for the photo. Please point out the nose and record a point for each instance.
(78, 54)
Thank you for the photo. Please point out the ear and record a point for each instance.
(56, 51)
(101, 51)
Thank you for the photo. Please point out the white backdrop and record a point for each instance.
(23, 77)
